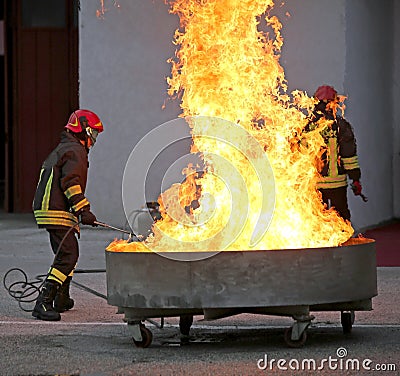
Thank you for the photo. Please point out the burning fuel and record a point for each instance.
(234, 96)
(103, 8)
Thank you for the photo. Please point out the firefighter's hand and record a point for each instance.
(88, 218)
(357, 188)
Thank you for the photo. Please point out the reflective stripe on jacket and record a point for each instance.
(339, 159)
(59, 195)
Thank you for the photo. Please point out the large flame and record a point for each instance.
(227, 68)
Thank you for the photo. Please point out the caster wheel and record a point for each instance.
(294, 343)
(147, 337)
(185, 322)
(347, 320)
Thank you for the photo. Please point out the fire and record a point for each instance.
(103, 9)
(227, 70)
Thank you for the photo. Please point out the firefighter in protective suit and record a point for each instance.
(60, 204)
(339, 158)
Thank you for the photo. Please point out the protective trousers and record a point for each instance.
(66, 249)
(337, 197)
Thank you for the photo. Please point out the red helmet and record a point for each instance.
(85, 121)
(325, 93)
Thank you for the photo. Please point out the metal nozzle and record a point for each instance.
(115, 228)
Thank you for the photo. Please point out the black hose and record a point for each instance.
(88, 289)
(84, 271)
(25, 292)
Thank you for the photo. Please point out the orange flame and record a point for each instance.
(100, 13)
(226, 68)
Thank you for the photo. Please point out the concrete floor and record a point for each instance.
(93, 331)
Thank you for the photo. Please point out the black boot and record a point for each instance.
(44, 304)
(62, 301)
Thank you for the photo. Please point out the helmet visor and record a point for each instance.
(92, 133)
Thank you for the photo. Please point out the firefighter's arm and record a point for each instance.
(73, 170)
(352, 167)
(348, 150)
(349, 157)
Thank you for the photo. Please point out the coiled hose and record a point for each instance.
(26, 292)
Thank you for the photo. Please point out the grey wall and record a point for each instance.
(347, 44)
(314, 50)
(396, 111)
(368, 82)
(123, 65)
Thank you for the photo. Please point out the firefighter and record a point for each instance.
(60, 205)
(339, 158)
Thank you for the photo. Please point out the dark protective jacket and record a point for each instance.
(59, 196)
(339, 157)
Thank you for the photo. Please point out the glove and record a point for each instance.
(356, 187)
(88, 218)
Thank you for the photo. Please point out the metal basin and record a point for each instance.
(276, 282)
(237, 279)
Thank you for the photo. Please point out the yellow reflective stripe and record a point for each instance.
(350, 159)
(56, 214)
(352, 166)
(329, 185)
(76, 122)
(333, 169)
(55, 279)
(54, 221)
(332, 181)
(350, 163)
(72, 191)
(72, 271)
(55, 217)
(57, 275)
(80, 205)
(46, 196)
(40, 177)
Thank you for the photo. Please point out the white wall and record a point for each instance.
(341, 43)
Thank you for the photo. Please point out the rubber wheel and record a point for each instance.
(292, 343)
(185, 323)
(147, 338)
(347, 320)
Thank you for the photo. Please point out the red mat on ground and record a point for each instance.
(387, 244)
